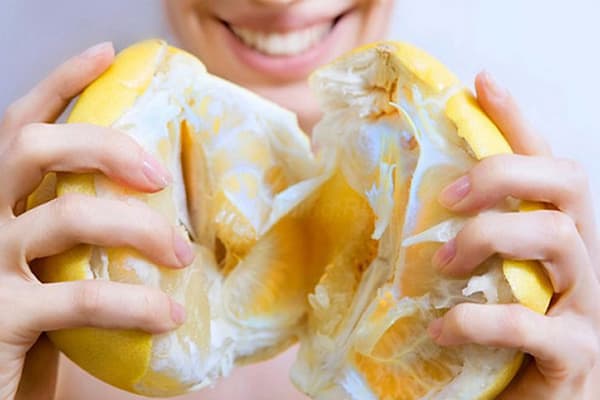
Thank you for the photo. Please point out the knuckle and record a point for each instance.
(11, 114)
(121, 149)
(461, 320)
(514, 318)
(66, 204)
(577, 176)
(88, 299)
(147, 238)
(68, 210)
(151, 306)
(478, 228)
(561, 227)
(575, 170)
(153, 227)
(25, 142)
(588, 348)
(493, 167)
(126, 142)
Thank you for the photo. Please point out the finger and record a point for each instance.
(41, 148)
(102, 304)
(38, 380)
(562, 183)
(46, 101)
(548, 236)
(531, 383)
(62, 223)
(502, 108)
(558, 343)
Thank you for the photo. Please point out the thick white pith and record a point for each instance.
(182, 90)
(371, 131)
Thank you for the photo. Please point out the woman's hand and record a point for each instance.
(30, 147)
(565, 343)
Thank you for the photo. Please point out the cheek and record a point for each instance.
(201, 34)
(190, 21)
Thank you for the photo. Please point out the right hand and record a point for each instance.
(31, 145)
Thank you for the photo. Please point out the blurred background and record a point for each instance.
(545, 51)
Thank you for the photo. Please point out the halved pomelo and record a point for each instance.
(241, 166)
(397, 128)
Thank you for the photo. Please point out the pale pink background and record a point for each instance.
(546, 51)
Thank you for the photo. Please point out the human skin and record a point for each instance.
(204, 28)
(564, 345)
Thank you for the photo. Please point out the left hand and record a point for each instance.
(565, 343)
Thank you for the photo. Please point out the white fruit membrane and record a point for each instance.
(370, 151)
(167, 100)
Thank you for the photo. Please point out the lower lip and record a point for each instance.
(285, 67)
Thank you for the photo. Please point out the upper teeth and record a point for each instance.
(282, 44)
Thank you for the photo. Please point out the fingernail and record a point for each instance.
(445, 254)
(155, 172)
(434, 330)
(183, 250)
(455, 192)
(97, 49)
(177, 312)
(493, 86)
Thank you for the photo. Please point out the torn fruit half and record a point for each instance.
(240, 167)
(397, 128)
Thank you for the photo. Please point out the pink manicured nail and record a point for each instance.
(435, 328)
(97, 49)
(455, 192)
(155, 172)
(493, 86)
(177, 312)
(183, 250)
(445, 254)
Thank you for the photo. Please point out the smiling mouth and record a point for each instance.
(284, 44)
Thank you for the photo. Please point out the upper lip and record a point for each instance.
(282, 23)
